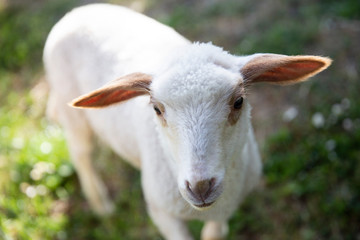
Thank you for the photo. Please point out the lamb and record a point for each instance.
(184, 118)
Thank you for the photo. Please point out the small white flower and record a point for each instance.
(318, 120)
(347, 124)
(41, 190)
(290, 114)
(330, 145)
(40, 169)
(50, 168)
(36, 174)
(337, 109)
(46, 147)
(17, 142)
(345, 103)
(24, 186)
(31, 191)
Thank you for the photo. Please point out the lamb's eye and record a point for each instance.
(157, 110)
(238, 103)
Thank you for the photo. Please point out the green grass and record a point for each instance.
(320, 169)
(311, 184)
(34, 173)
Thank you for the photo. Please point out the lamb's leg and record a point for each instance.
(170, 227)
(78, 135)
(92, 186)
(214, 230)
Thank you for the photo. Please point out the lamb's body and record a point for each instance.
(95, 44)
(98, 43)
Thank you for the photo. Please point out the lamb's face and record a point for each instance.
(202, 117)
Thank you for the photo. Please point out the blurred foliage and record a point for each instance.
(320, 168)
(312, 165)
(23, 31)
(348, 9)
(35, 175)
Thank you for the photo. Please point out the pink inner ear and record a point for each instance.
(291, 71)
(122, 89)
(107, 98)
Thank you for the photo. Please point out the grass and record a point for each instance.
(311, 183)
(34, 173)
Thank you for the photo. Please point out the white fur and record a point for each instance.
(95, 44)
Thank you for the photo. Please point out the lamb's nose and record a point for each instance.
(201, 190)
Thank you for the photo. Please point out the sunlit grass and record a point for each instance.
(33, 172)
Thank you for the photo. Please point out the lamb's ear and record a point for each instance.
(282, 69)
(117, 91)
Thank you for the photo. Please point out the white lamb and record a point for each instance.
(188, 129)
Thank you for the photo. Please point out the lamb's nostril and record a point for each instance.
(201, 190)
(188, 187)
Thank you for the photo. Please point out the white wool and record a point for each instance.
(201, 70)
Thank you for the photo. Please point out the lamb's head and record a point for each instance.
(201, 109)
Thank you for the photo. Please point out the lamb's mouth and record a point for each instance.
(204, 205)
